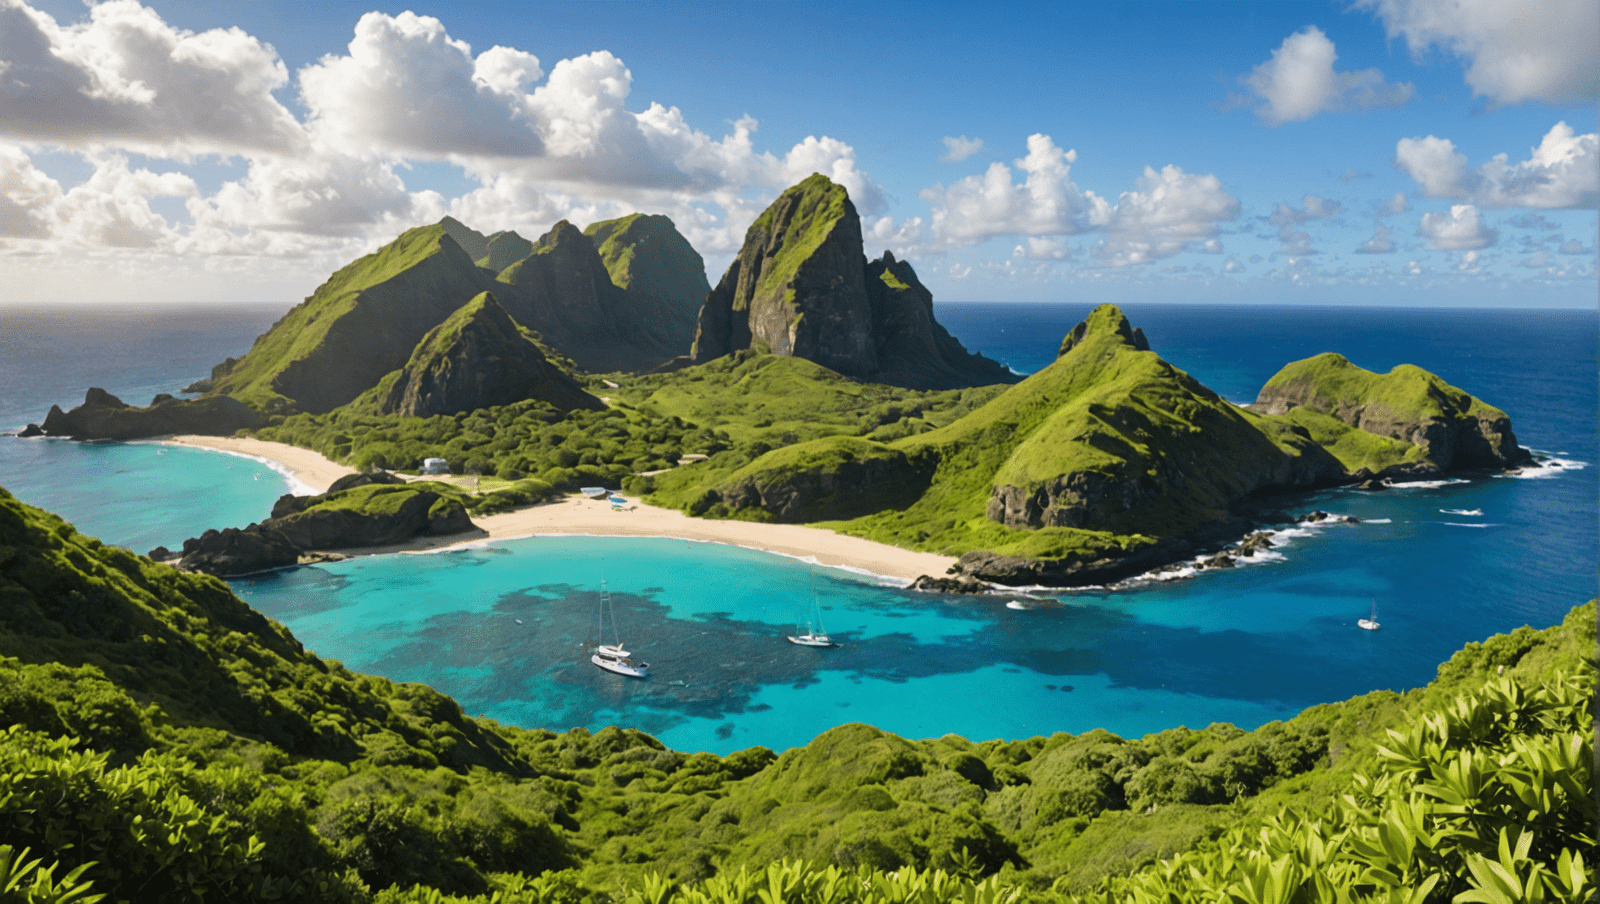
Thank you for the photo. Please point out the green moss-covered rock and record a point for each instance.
(1454, 429)
(802, 286)
(479, 358)
(798, 286)
(1100, 461)
(358, 326)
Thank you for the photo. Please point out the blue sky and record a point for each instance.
(1407, 152)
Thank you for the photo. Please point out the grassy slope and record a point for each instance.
(1357, 450)
(823, 204)
(344, 769)
(1406, 391)
(303, 328)
(1104, 407)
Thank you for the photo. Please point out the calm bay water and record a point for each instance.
(503, 628)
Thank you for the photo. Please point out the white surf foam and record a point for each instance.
(1378, 521)
(1426, 484)
(1548, 466)
(1468, 512)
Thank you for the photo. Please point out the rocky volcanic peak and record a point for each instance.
(798, 286)
(504, 249)
(479, 358)
(357, 327)
(1454, 429)
(473, 242)
(663, 275)
(913, 349)
(563, 291)
(801, 286)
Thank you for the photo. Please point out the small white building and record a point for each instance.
(435, 466)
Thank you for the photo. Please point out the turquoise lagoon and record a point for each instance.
(504, 627)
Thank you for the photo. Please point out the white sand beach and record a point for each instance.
(578, 516)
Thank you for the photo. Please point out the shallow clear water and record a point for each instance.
(1246, 646)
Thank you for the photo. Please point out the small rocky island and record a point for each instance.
(812, 385)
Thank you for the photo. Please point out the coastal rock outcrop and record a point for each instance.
(802, 286)
(479, 358)
(366, 510)
(1452, 429)
(1111, 437)
(235, 551)
(104, 416)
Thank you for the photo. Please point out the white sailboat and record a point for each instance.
(814, 635)
(1370, 623)
(614, 657)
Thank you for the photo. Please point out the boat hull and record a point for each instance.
(626, 667)
(811, 640)
(1368, 624)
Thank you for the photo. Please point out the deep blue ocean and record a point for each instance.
(504, 627)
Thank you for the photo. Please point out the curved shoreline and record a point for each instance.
(578, 516)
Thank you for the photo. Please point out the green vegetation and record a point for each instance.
(1330, 383)
(817, 205)
(528, 439)
(1357, 450)
(305, 328)
(1108, 415)
(160, 741)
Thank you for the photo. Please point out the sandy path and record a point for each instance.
(577, 516)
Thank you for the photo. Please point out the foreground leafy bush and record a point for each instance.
(1490, 799)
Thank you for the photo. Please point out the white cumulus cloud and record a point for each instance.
(1514, 52)
(1395, 206)
(1299, 82)
(1461, 228)
(28, 197)
(1562, 172)
(1046, 202)
(1164, 215)
(959, 149)
(126, 77)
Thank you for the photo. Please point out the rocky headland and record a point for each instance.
(104, 416)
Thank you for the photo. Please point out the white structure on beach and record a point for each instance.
(435, 466)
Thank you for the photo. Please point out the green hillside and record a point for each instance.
(160, 741)
(358, 326)
(1106, 449)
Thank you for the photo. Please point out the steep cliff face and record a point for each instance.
(473, 242)
(663, 276)
(913, 349)
(798, 286)
(564, 291)
(801, 286)
(479, 358)
(1454, 429)
(358, 326)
